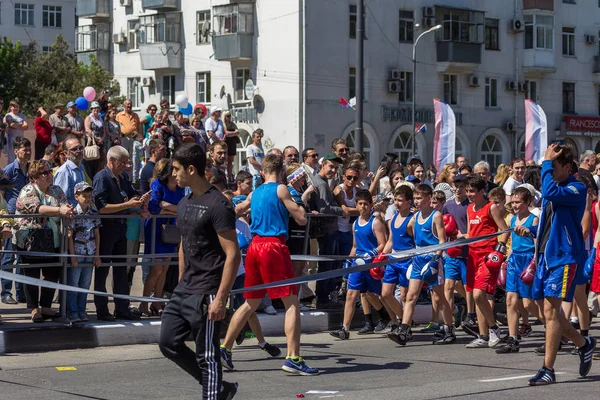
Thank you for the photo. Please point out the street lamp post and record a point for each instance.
(414, 86)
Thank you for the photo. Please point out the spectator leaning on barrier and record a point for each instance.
(71, 172)
(40, 234)
(113, 194)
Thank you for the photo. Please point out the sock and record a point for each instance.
(584, 332)
(404, 326)
(574, 319)
(514, 337)
(472, 315)
(346, 327)
(262, 344)
(485, 337)
(369, 318)
(296, 358)
(226, 349)
(494, 327)
(549, 369)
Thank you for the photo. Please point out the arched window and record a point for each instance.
(366, 146)
(491, 151)
(403, 146)
(245, 140)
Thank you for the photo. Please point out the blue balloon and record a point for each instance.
(187, 110)
(81, 103)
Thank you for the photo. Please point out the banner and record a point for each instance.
(536, 131)
(444, 140)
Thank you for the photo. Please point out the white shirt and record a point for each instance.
(510, 185)
(258, 154)
(215, 126)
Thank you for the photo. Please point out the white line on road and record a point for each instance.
(510, 378)
(322, 392)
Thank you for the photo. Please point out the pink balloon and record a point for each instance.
(89, 93)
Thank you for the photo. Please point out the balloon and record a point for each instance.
(186, 110)
(181, 100)
(89, 93)
(81, 103)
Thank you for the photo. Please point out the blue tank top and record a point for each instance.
(365, 238)
(424, 235)
(522, 244)
(269, 215)
(401, 240)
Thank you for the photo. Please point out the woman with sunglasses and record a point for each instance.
(40, 197)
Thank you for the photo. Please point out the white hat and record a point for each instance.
(215, 109)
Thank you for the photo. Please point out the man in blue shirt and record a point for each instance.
(71, 172)
(17, 173)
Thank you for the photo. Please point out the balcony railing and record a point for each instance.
(234, 46)
(159, 4)
(93, 8)
(92, 38)
(596, 65)
(538, 5)
(459, 52)
(162, 55)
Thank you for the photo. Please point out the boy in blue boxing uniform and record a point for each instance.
(560, 251)
(369, 240)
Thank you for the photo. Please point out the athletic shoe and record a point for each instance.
(525, 330)
(270, 310)
(409, 335)
(585, 355)
(229, 390)
(477, 344)
(398, 336)
(381, 325)
(273, 351)
(470, 327)
(368, 328)
(448, 336)
(505, 338)
(342, 334)
(542, 349)
(83, 317)
(502, 318)
(511, 346)
(458, 315)
(389, 328)
(226, 358)
(543, 377)
(298, 367)
(430, 327)
(494, 337)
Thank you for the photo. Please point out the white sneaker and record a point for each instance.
(477, 344)
(270, 310)
(494, 337)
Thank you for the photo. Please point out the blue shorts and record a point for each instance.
(396, 273)
(455, 269)
(556, 282)
(580, 278)
(418, 264)
(364, 282)
(517, 262)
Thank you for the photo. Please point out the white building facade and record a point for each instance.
(38, 20)
(282, 65)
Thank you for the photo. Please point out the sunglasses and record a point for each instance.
(345, 150)
(76, 149)
(292, 156)
(45, 173)
(351, 178)
(314, 155)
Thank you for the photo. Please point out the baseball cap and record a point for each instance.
(59, 105)
(413, 158)
(82, 187)
(215, 109)
(332, 157)
(460, 178)
(71, 104)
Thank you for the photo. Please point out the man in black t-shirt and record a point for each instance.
(157, 150)
(209, 258)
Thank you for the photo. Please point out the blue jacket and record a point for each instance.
(567, 199)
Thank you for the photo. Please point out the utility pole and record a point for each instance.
(360, 36)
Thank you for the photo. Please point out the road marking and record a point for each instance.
(66, 368)
(322, 392)
(510, 378)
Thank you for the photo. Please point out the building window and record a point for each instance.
(539, 31)
(532, 92)
(568, 98)
(353, 22)
(46, 49)
(203, 85)
(168, 88)
(569, 1)
(366, 146)
(52, 16)
(491, 34)
(491, 92)
(491, 151)
(24, 14)
(406, 26)
(203, 27)
(451, 89)
(351, 82)
(160, 28)
(405, 94)
(133, 91)
(241, 76)
(0, 12)
(568, 41)
(91, 38)
(133, 26)
(403, 146)
(233, 18)
(461, 25)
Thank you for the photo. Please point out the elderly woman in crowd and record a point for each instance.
(164, 197)
(40, 234)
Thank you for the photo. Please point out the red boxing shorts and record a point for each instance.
(595, 282)
(479, 276)
(268, 260)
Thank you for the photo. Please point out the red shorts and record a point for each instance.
(595, 282)
(268, 260)
(479, 276)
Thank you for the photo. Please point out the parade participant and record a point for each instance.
(522, 252)
(209, 258)
(484, 261)
(428, 228)
(268, 260)
(560, 249)
(369, 240)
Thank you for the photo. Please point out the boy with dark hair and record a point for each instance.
(369, 240)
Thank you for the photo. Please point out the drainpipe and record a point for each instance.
(516, 148)
(302, 66)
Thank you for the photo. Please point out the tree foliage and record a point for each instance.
(36, 79)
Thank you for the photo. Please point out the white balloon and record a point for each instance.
(181, 100)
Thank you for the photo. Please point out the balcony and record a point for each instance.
(93, 9)
(458, 56)
(233, 36)
(236, 46)
(538, 62)
(159, 4)
(460, 40)
(158, 56)
(93, 40)
(538, 5)
(159, 41)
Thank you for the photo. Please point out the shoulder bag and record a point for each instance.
(91, 151)
(170, 234)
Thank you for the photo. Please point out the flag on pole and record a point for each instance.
(347, 104)
(536, 131)
(445, 134)
(422, 128)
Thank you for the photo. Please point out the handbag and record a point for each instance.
(170, 234)
(40, 240)
(91, 151)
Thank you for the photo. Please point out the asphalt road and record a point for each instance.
(362, 368)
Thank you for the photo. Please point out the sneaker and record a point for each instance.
(502, 318)
(470, 327)
(270, 310)
(226, 358)
(368, 328)
(430, 327)
(448, 336)
(390, 328)
(342, 334)
(542, 349)
(525, 330)
(440, 332)
(229, 390)
(494, 337)
(398, 336)
(511, 346)
(8, 299)
(74, 318)
(304, 308)
(298, 367)
(409, 335)
(477, 344)
(585, 355)
(83, 317)
(544, 376)
(381, 325)
(273, 351)
(458, 315)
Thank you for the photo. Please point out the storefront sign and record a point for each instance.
(582, 126)
(245, 114)
(396, 114)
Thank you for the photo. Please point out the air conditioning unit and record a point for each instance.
(147, 81)
(428, 12)
(394, 75)
(509, 127)
(511, 85)
(524, 86)
(120, 38)
(428, 22)
(590, 39)
(473, 80)
(394, 87)
(516, 25)
(126, 3)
